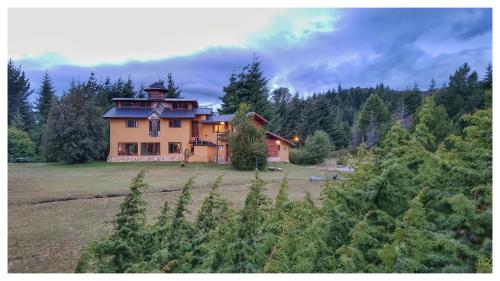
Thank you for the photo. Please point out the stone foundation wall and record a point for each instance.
(274, 159)
(146, 158)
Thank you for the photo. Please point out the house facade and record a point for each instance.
(156, 128)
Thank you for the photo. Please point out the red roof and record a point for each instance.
(275, 136)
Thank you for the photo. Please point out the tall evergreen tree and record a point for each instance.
(75, 131)
(46, 96)
(463, 93)
(173, 91)
(373, 121)
(250, 87)
(18, 94)
(280, 97)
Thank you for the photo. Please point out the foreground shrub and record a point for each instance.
(407, 208)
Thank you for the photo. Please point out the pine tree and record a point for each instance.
(251, 253)
(124, 249)
(463, 94)
(141, 93)
(373, 120)
(247, 143)
(250, 87)
(281, 98)
(18, 94)
(413, 99)
(46, 96)
(173, 91)
(75, 130)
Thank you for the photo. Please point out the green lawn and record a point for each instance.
(47, 237)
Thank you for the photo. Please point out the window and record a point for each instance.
(219, 128)
(127, 148)
(279, 147)
(154, 127)
(174, 123)
(221, 147)
(131, 123)
(179, 105)
(151, 148)
(174, 147)
(194, 129)
(134, 104)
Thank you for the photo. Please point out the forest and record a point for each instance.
(420, 199)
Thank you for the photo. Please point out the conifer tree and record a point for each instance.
(373, 120)
(124, 248)
(247, 143)
(173, 91)
(250, 87)
(46, 96)
(250, 252)
(18, 94)
(75, 130)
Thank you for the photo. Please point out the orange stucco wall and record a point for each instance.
(119, 133)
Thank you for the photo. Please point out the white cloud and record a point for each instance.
(97, 36)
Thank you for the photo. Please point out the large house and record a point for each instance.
(156, 128)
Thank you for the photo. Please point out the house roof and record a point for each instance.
(139, 112)
(128, 112)
(230, 117)
(275, 136)
(258, 117)
(219, 118)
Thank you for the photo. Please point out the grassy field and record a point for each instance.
(52, 214)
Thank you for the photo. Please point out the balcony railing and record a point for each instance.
(154, 133)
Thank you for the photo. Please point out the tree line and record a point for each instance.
(69, 128)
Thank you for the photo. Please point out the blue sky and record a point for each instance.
(307, 50)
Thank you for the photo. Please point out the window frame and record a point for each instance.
(172, 122)
(136, 124)
(179, 145)
(124, 145)
(156, 147)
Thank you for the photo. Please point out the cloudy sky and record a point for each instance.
(307, 50)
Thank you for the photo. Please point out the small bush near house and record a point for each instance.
(247, 143)
(20, 145)
(315, 150)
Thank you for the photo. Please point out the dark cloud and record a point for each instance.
(366, 46)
